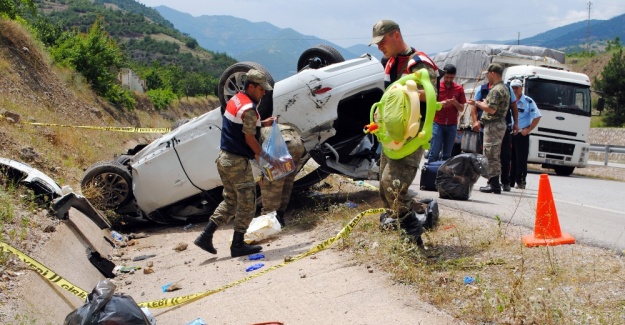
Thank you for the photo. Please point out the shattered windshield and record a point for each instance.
(559, 96)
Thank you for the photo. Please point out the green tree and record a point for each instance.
(97, 57)
(615, 44)
(153, 80)
(14, 8)
(612, 84)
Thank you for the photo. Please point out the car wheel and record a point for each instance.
(563, 170)
(108, 184)
(318, 56)
(232, 80)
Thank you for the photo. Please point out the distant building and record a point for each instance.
(131, 81)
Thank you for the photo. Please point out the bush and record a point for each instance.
(161, 98)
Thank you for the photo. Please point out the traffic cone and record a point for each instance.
(547, 227)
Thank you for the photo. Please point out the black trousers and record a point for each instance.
(521, 146)
(506, 157)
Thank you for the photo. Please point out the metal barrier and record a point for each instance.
(607, 149)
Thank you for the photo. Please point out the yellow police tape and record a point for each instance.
(170, 302)
(45, 272)
(129, 129)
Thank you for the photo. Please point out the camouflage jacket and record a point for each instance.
(498, 99)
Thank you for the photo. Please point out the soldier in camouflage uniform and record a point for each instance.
(275, 195)
(397, 175)
(239, 144)
(495, 107)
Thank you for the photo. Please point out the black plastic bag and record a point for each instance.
(456, 177)
(104, 307)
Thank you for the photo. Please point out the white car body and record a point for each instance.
(181, 164)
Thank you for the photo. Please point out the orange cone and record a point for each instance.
(547, 227)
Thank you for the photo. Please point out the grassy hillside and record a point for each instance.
(31, 87)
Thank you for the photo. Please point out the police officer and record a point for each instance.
(397, 175)
(494, 109)
(529, 116)
(239, 144)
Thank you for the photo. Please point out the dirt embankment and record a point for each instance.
(33, 89)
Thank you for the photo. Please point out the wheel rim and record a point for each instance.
(112, 188)
(233, 85)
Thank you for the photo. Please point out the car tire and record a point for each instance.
(318, 56)
(108, 184)
(232, 80)
(563, 170)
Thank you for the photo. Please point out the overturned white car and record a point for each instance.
(175, 177)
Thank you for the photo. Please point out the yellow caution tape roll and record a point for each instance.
(45, 272)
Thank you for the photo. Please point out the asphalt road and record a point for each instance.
(591, 210)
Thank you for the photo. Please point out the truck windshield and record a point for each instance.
(559, 96)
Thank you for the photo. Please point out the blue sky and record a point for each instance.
(429, 26)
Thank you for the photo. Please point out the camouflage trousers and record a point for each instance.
(395, 178)
(239, 192)
(493, 136)
(276, 195)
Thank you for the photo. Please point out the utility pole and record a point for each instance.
(518, 38)
(588, 29)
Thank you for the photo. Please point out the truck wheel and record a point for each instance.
(318, 56)
(563, 170)
(232, 80)
(108, 184)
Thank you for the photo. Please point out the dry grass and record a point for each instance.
(513, 284)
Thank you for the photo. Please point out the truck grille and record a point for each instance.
(556, 147)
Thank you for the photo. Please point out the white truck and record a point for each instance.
(560, 141)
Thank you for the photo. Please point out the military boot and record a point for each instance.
(412, 227)
(205, 239)
(280, 217)
(493, 186)
(240, 248)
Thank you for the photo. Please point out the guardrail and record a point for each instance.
(607, 149)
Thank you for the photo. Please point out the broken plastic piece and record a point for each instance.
(254, 267)
(142, 257)
(256, 256)
(197, 321)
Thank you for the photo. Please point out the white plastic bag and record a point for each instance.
(262, 227)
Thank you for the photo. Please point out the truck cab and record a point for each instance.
(560, 141)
